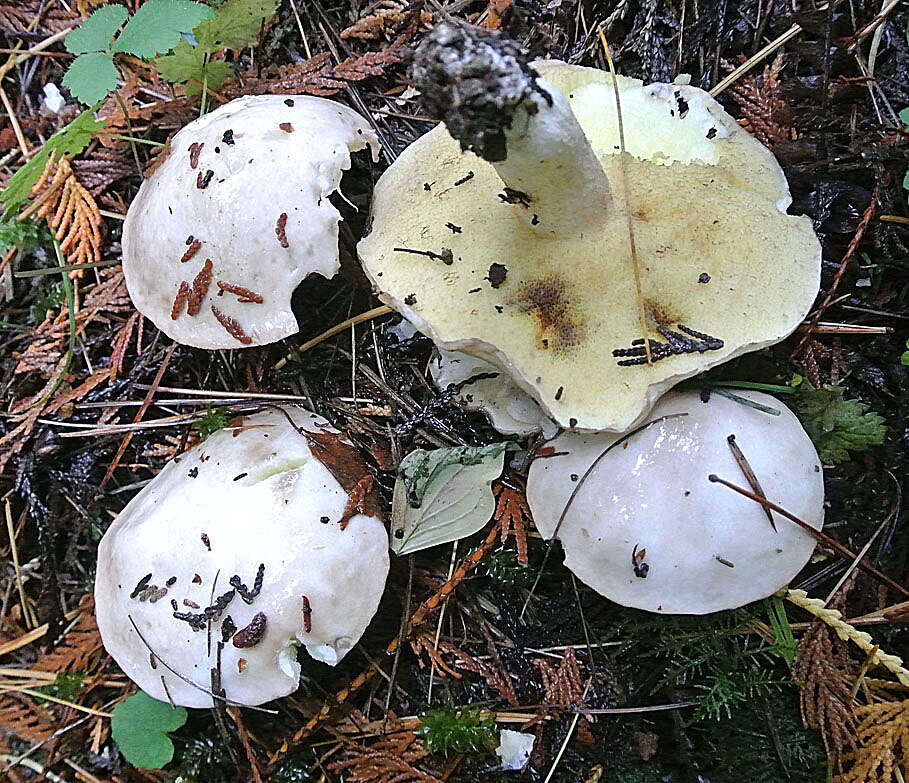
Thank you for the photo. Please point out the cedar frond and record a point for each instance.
(862, 640)
(142, 113)
(81, 649)
(17, 16)
(102, 169)
(512, 514)
(121, 342)
(108, 297)
(495, 677)
(310, 77)
(765, 115)
(390, 759)
(884, 733)
(563, 682)
(25, 719)
(355, 69)
(172, 446)
(69, 208)
(386, 20)
(824, 698)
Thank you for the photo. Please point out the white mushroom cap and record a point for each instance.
(511, 410)
(250, 183)
(256, 495)
(541, 282)
(651, 492)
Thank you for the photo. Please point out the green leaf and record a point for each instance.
(188, 64)
(837, 425)
(443, 495)
(140, 725)
(96, 32)
(69, 140)
(236, 25)
(157, 26)
(91, 77)
(904, 116)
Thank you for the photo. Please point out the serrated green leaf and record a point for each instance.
(96, 32)
(443, 495)
(838, 426)
(187, 64)
(140, 725)
(236, 25)
(69, 140)
(157, 26)
(91, 77)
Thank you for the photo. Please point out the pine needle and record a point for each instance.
(635, 264)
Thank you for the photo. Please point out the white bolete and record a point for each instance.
(506, 232)
(642, 524)
(237, 215)
(235, 554)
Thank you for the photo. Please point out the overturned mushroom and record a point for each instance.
(512, 241)
(642, 524)
(238, 552)
(237, 215)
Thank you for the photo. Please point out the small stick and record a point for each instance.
(750, 476)
(817, 534)
(337, 329)
(187, 680)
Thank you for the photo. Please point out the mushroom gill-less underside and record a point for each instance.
(547, 292)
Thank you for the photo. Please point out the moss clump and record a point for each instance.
(457, 731)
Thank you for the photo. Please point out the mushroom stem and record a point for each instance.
(481, 86)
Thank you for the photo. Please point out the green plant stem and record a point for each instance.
(767, 387)
(136, 139)
(204, 98)
(57, 270)
(129, 125)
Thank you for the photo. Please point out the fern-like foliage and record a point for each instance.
(836, 425)
(762, 741)
(707, 659)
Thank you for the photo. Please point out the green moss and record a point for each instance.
(457, 731)
(214, 419)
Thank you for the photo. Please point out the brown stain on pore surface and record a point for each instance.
(549, 303)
